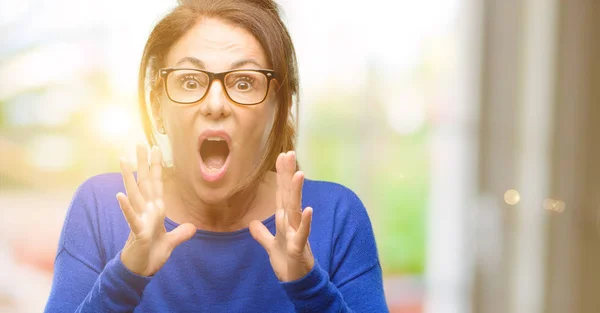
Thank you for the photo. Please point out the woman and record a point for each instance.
(217, 78)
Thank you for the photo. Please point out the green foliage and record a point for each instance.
(390, 173)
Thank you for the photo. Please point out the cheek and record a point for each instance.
(268, 122)
(258, 126)
(269, 112)
(179, 123)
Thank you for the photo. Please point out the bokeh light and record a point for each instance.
(113, 123)
(554, 205)
(512, 197)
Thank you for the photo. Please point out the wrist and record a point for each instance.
(133, 263)
(311, 280)
(300, 270)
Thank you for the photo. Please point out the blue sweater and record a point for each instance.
(214, 271)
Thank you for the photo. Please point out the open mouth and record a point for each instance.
(214, 152)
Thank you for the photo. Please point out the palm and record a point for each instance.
(289, 250)
(149, 245)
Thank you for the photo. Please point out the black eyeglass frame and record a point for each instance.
(165, 72)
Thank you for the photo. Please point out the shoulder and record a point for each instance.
(102, 183)
(90, 213)
(96, 191)
(95, 199)
(335, 200)
(330, 191)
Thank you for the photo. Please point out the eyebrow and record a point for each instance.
(200, 65)
(197, 63)
(244, 62)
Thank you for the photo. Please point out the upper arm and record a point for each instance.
(72, 281)
(81, 234)
(355, 269)
(80, 256)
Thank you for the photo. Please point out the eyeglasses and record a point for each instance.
(244, 87)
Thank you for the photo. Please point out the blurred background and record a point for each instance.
(468, 128)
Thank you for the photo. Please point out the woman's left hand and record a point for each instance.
(289, 250)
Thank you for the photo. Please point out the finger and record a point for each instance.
(133, 193)
(262, 234)
(301, 237)
(280, 230)
(154, 217)
(289, 168)
(159, 204)
(181, 234)
(284, 180)
(294, 210)
(129, 212)
(289, 231)
(291, 163)
(280, 183)
(143, 172)
(156, 172)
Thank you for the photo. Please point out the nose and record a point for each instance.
(215, 105)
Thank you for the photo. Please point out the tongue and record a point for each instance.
(214, 162)
(214, 154)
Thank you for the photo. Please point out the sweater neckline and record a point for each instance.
(170, 225)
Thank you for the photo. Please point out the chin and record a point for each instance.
(212, 193)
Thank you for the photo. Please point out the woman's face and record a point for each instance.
(215, 142)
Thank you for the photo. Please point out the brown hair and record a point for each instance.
(259, 17)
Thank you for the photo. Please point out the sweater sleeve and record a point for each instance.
(355, 282)
(83, 281)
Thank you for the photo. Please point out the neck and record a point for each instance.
(233, 213)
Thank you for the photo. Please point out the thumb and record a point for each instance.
(182, 233)
(261, 234)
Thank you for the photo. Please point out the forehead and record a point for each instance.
(218, 45)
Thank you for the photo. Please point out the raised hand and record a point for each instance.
(149, 245)
(289, 250)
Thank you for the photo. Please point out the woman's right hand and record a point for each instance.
(149, 245)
